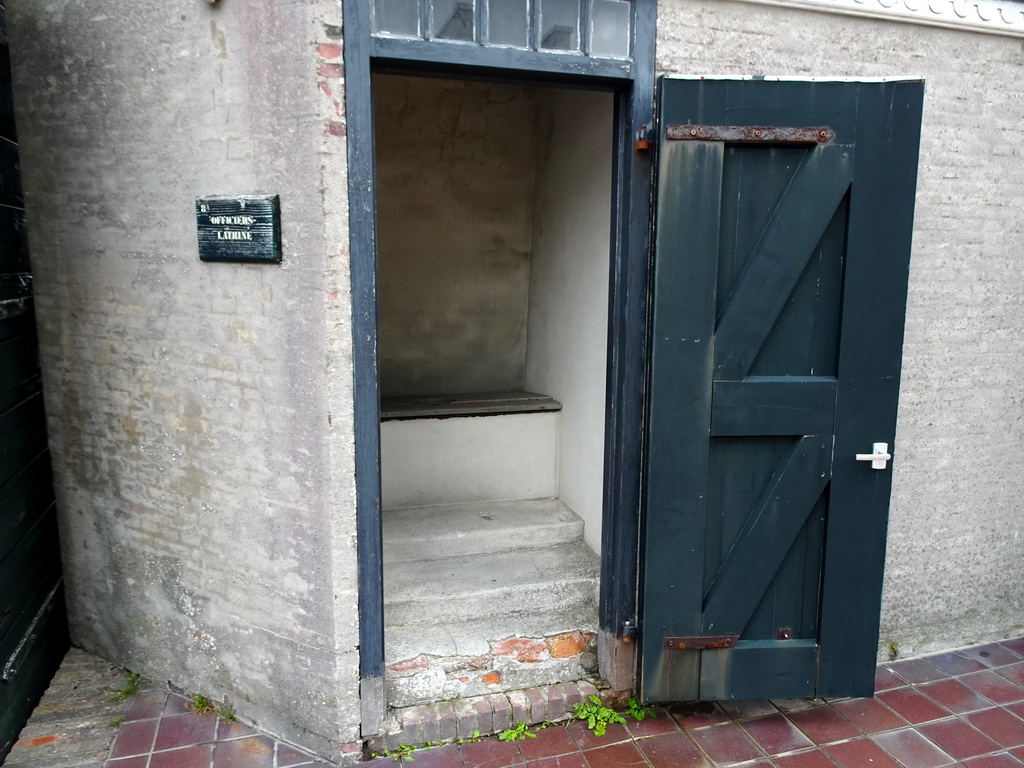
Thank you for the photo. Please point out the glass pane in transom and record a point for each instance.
(396, 17)
(453, 20)
(610, 29)
(508, 23)
(560, 25)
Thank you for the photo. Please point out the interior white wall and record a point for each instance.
(477, 458)
(568, 329)
(455, 165)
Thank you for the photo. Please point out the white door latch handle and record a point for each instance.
(878, 457)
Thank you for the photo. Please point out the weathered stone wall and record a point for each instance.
(200, 413)
(955, 565)
(455, 185)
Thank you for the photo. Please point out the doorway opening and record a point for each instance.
(494, 245)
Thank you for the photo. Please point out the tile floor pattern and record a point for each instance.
(958, 708)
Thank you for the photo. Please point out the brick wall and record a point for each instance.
(200, 413)
(955, 565)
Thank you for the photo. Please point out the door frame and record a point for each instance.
(633, 85)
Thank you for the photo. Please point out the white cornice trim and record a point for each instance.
(994, 17)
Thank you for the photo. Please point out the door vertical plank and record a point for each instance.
(881, 226)
(686, 251)
(772, 527)
(779, 258)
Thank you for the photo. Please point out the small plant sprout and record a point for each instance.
(201, 705)
(520, 731)
(638, 711)
(131, 687)
(597, 716)
(404, 752)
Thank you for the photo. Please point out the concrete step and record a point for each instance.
(517, 582)
(424, 533)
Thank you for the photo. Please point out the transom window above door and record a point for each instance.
(596, 28)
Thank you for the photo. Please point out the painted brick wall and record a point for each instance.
(955, 564)
(200, 413)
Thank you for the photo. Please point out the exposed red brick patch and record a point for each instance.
(328, 69)
(409, 665)
(335, 128)
(491, 678)
(40, 741)
(326, 88)
(329, 50)
(525, 649)
(569, 644)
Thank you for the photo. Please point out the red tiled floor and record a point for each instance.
(869, 715)
(181, 730)
(1001, 760)
(491, 753)
(1016, 645)
(860, 753)
(144, 707)
(177, 705)
(954, 663)
(992, 655)
(994, 687)
(792, 705)
(912, 706)
(435, 757)
(130, 762)
(623, 755)
(189, 757)
(885, 679)
(744, 710)
(1000, 726)
(726, 744)
(762, 763)
(775, 734)
(652, 726)
(1013, 673)
(698, 715)
(823, 725)
(135, 738)
(549, 742)
(813, 759)
(1017, 709)
(253, 752)
(575, 760)
(912, 749)
(917, 671)
(955, 696)
(226, 729)
(1019, 753)
(673, 751)
(287, 756)
(587, 740)
(959, 739)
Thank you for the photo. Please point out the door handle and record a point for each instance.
(878, 457)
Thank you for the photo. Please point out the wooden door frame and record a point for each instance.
(633, 86)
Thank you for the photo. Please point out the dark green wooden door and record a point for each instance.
(33, 633)
(782, 248)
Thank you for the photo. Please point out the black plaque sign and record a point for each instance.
(246, 228)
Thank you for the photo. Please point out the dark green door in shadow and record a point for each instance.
(782, 249)
(33, 623)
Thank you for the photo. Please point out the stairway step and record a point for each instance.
(474, 637)
(508, 583)
(423, 533)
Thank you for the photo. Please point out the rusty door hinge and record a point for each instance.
(756, 133)
(700, 642)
